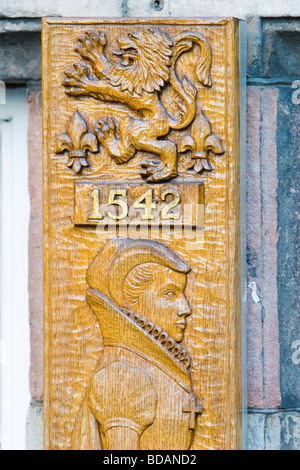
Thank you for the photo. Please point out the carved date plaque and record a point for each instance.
(139, 204)
(142, 300)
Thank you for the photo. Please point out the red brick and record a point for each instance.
(263, 335)
(35, 248)
(254, 324)
(269, 185)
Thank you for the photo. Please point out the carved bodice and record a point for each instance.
(139, 389)
(161, 421)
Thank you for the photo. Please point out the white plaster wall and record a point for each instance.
(40, 8)
(14, 303)
(179, 8)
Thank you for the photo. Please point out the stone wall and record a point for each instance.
(273, 148)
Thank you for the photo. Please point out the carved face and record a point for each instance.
(128, 49)
(143, 61)
(157, 293)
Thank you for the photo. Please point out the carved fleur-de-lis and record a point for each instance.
(200, 163)
(76, 142)
(199, 160)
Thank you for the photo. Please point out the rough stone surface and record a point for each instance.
(192, 8)
(40, 8)
(35, 244)
(290, 431)
(269, 100)
(274, 430)
(15, 25)
(235, 8)
(34, 427)
(20, 56)
(160, 8)
(253, 46)
(256, 431)
(280, 48)
(263, 346)
(288, 163)
(254, 321)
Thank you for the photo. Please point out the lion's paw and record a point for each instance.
(108, 130)
(108, 133)
(92, 45)
(76, 80)
(154, 172)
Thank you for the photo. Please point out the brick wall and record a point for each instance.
(273, 148)
(273, 145)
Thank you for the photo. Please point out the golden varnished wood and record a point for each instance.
(142, 309)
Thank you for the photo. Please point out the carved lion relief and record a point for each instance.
(165, 116)
(140, 395)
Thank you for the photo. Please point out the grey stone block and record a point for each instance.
(245, 9)
(20, 25)
(40, 8)
(20, 56)
(34, 427)
(256, 431)
(274, 430)
(253, 46)
(140, 8)
(280, 48)
(290, 431)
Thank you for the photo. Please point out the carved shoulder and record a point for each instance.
(122, 396)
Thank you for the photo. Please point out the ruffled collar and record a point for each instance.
(162, 337)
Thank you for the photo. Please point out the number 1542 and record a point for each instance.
(117, 199)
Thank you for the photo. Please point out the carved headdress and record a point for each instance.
(119, 256)
(106, 276)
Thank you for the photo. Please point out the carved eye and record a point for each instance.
(170, 294)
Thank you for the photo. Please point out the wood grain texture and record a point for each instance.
(76, 337)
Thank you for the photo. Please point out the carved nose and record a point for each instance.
(185, 309)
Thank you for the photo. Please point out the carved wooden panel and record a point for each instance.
(142, 234)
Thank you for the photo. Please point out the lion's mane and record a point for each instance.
(149, 70)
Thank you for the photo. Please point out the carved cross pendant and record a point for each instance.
(193, 409)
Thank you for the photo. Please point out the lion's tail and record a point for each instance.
(183, 42)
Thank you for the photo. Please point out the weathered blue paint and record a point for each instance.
(288, 198)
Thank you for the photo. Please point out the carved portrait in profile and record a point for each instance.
(140, 395)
